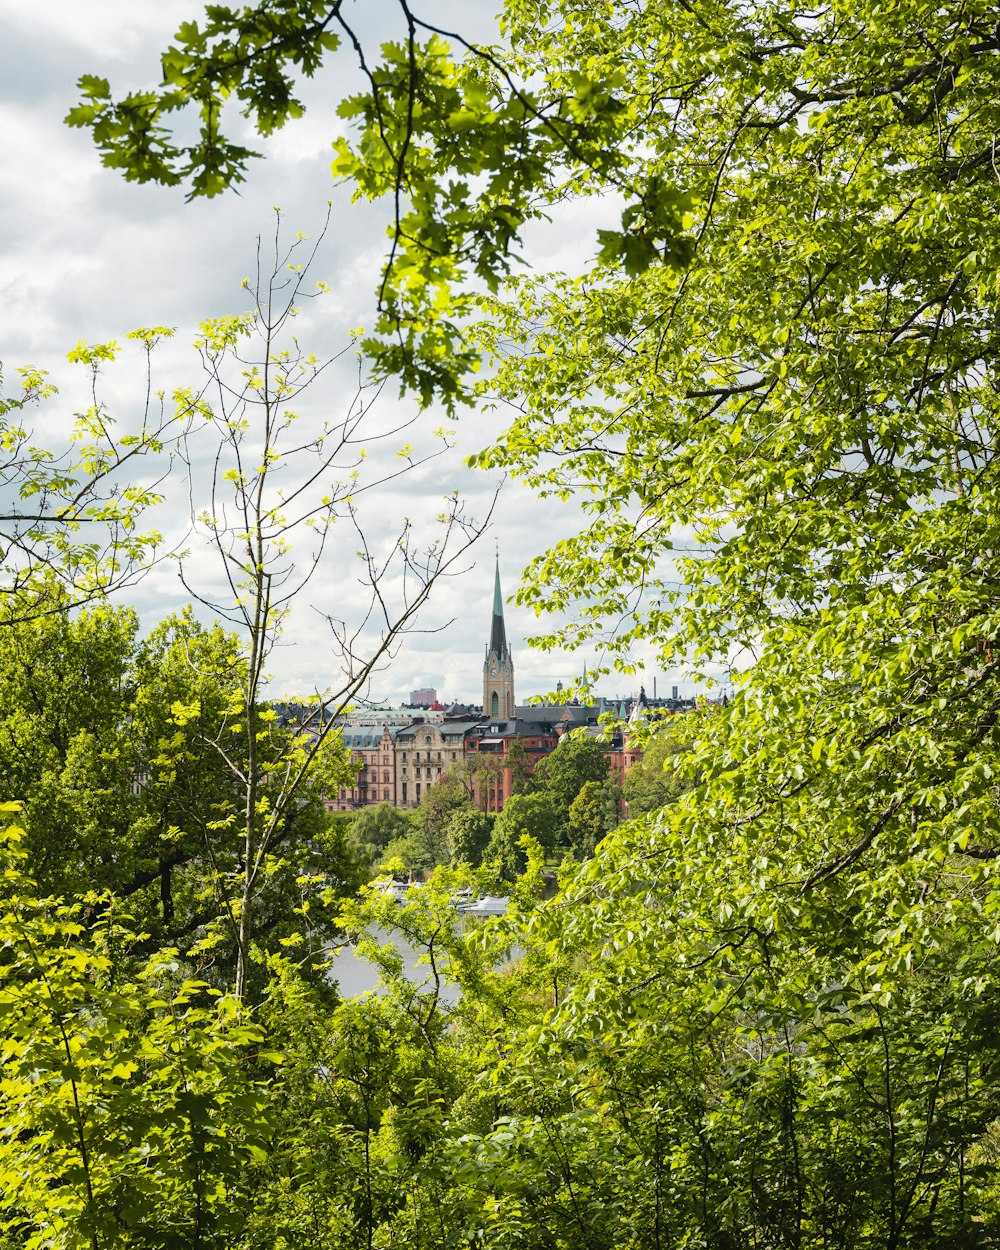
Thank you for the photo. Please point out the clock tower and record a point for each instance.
(498, 668)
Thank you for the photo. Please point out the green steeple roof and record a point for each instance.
(498, 634)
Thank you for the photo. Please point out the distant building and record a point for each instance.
(498, 667)
(372, 748)
(363, 715)
(537, 730)
(401, 756)
(424, 751)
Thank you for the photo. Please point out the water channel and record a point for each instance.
(356, 975)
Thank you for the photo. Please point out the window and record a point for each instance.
(385, 796)
(418, 789)
(404, 791)
(416, 755)
(494, 705)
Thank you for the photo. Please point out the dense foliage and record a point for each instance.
(653, 781)
(125, 754)
(766, 1014)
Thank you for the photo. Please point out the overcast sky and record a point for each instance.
(87, 256)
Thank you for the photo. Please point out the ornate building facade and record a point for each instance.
(424, 752)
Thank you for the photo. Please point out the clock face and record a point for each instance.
(493, 671)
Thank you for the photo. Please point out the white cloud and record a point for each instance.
(85, 255)
(109, 31)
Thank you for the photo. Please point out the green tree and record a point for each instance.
(438, 805)
(533, 815)
(468, 833)
(774, 394)
(97, 742)
(367, 1087)
(70, 516)
(421, 840)
(592, 814)
(520, 767)
(111, 742)
(134, 1102)
(190, 725)
(66, 689)
(259, 374)
(374, 826)
(478, 773)
(420, 107)
(562, 775)
(185, 678)
(654, 780)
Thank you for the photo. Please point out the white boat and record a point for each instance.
(488, 905)
(396, 890)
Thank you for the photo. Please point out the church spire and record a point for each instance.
(498, 634)
(498, 669)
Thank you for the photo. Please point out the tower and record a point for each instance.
(498, 668)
